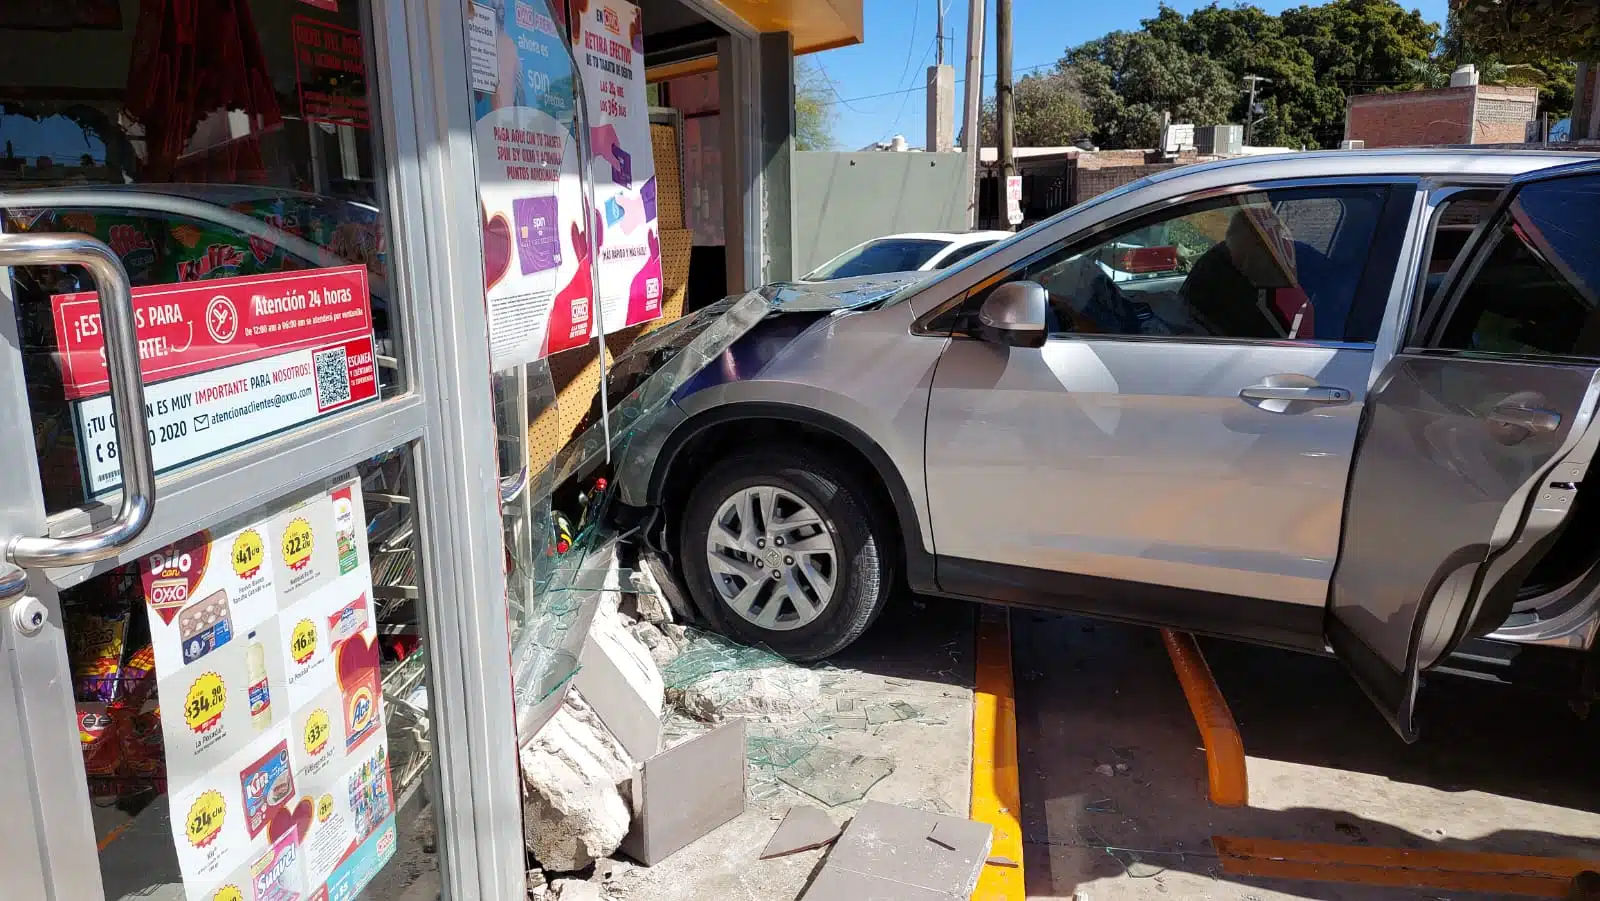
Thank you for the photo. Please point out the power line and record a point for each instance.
(835, 91)
(907, 96)
(916, 11)
(986, 77)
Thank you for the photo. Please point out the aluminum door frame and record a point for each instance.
(419, 55)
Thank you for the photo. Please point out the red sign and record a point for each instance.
(197, 327)
(331, 68)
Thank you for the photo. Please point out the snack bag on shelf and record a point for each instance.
(96, 643)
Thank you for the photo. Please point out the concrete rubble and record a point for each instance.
(581, 771)
(576, 785)
(651, 691)
(574, 890)
(621, 681)
(771, 694)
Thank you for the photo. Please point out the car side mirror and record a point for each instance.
(1014, 315)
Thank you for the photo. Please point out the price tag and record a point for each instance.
(303, 641)
(297, 539)
(204, 822)
(202, 706)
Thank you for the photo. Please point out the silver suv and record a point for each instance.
(1327, 401)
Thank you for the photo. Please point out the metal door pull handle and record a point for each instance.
(127, 399)
(1316, 394)
(1534, 419)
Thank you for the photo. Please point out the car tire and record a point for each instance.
(850, 524)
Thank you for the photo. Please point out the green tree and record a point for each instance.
(1550, 73)
(1297, 108)
(1130, 78)
(1050, 111)
(1527, 30)
(1362, 45)
(1359, 46)
(813, 107)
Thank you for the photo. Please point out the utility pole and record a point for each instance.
(941, 95)
(976, 11)
(1004, 100)
(1250, 111)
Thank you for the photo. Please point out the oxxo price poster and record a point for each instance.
(225, 362)
(271, 703)
(535, 247)
(611, 56)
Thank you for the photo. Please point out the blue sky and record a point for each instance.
(878, 83)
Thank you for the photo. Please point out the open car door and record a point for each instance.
(1475, 440)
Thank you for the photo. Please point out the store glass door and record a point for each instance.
(230, 646)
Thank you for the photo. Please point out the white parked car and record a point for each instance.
(910, 252)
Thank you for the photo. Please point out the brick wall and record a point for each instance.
(1475, 114)
(1102, 170)
(1410, 118)
(1095, 180)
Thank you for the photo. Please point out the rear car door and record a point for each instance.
(1474, 442)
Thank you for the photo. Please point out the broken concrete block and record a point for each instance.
(663, 650)
(771, 694)
(649, 602)
(657, 574)
(899, 854)
(686, 791)
(618, 678)
(802, 829)
(574, 776)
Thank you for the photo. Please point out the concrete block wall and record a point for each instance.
(1503, 112)
(842, 199)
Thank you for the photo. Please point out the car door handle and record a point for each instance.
(1534, 419)
(1314, 394)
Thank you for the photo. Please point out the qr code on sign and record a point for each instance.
(333, 377)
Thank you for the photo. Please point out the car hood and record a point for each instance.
(837, 294)
(642, 380)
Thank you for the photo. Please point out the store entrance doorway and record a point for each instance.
(226, 657)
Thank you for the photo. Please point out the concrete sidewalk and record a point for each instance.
(919, 654)
(1114, 778)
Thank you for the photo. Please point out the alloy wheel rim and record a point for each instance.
(773, 560)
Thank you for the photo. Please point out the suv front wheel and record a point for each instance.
(786, 552)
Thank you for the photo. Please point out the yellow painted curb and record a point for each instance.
(996, 791)
(1225, 766)
(1424, 868)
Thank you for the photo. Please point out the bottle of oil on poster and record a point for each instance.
(260, 693)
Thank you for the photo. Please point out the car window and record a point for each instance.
(1533, 290)
(1271, 265)
(877, 257)
(961, 253)
(1458, 216)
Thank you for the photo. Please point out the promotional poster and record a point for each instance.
(535, 249)
(267, 666)
(610, 52)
